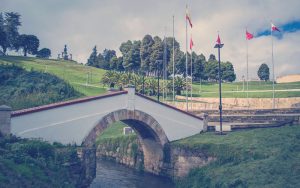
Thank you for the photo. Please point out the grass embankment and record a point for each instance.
(114, 133)
(84, 79)
(253, 158)
(23, 89)
(33, 163)
(238, 90)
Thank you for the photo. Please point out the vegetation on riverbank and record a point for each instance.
(250, 158)
(34, 163)
(23, 89)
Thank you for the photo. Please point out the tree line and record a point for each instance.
(11, 39)
(147, 57)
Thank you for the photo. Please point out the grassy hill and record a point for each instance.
(86, 80)
(24, 89)
(73, 73)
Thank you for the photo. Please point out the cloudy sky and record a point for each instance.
(81, 24)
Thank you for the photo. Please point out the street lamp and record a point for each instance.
(219, 46)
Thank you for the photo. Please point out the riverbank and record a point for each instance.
(250, 158)
(34, 163)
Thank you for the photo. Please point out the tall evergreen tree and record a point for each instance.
(156, 55)
(93, 59)
(146, 50)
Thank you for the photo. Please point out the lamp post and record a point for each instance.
(219, 46)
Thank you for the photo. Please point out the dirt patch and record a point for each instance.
(288, 78)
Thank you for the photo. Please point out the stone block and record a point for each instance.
(225, 128)
(127, 130)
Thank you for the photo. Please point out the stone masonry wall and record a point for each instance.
(177, 161)
(237, 103)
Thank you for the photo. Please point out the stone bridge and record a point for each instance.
(81, 121)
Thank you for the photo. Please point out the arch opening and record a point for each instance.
(150, 134)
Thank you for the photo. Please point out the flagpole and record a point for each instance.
(164, 67)
(191, 76)
(273, 105)
(186, 65)
(173, 63)
(247, 76)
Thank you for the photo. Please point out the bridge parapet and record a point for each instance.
(5, 113)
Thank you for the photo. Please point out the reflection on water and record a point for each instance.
(113, 175)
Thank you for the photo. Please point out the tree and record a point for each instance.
(29, 44)
(93, 60)
(125, 49)
(113, 63)
(102, 64)
(211, 70)
(263, 72)
(11, 27)
(212, 57)
(3, 36)
(145, 52)
(179, 84)
(131, 55)
(44, 53)
(108, 54)
(157, 54)
(198, 68)
(228, 72)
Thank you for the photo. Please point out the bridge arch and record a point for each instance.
(152, 137)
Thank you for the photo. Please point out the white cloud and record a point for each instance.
(83, 24)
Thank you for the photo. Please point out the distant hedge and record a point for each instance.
(24, 89)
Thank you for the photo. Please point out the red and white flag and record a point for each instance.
(191, 43)
(274, 28)
(249, 36)
(218, 40)
(188, 17)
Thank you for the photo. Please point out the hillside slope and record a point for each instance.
(24, 89)
(84, 79)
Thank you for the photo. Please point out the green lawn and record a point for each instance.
(75, 74)
(237, 90)
(114, 131)
(252, 158)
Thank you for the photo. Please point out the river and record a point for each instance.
(113, 175)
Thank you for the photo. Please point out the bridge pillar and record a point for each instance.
(5, 113)
(88, 162)
(131, 100)
(205, 121)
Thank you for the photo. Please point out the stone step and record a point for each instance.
(245, 125)
(250, 111)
